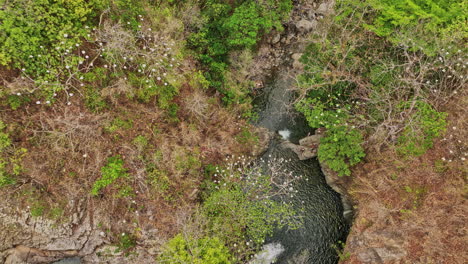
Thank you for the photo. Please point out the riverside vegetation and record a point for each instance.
(135, 105)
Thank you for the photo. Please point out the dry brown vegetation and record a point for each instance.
(67, 146)
(414, 210)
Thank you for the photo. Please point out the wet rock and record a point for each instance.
(302, 152)
(264, 137)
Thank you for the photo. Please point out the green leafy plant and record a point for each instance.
(140, 142)
(16, 101)
(113, 170)
(233, 26)
(400, 21)
(37, 209)
(125, 243)
(243, 204)
(341, 146)
(340, 149)
(38, 36)
(426, 125)
(117, 124)
(5, 140)
(206, 250)
(93, 99)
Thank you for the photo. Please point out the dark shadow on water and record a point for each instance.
(324, 225)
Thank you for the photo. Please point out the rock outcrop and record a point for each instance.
(307, 147)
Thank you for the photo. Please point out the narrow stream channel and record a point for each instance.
(324, 225)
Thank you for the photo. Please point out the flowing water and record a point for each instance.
(324, 225)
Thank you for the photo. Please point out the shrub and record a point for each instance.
(207, 250)
(38, 36)
(113, 170)
(5, 140)
(245, 203)
(230, 27)
(125, 243)
(16, 101)
(419, 23)
(117, 124)
(426, 124)
(372, 61)
(341, 147)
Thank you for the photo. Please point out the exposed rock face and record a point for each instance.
(277, 47)
(27, 239)
(23, 254)
(306, 26)
(307, 147)
(264, 136)
(302, 152)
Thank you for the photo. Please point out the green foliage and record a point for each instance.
(126, 242)
(402, 19)
(206, 250)
(10, 159)
(426, 125)
(93, 99)
(187, 161)
(233, 26)
(241, 209)
(232, 212)
(341, 147)
(158, 178)
(36, 34)
(118, 124)
(415, 195)
(140, 142)
(242, 205)
(247, 137)
(367, 68)
(113, 170)
(5, 140)
(37, 209)
(16, 101)
(128, 12)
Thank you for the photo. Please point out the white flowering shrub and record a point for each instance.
(246, 201)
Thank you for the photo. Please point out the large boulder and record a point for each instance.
(302, 152)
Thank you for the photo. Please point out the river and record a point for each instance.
(324, 225)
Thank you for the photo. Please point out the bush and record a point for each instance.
(207, 250)
(230, 27)
(113, 170)
(341, 147)
(5, 140)
(245, 203)
(10, 158)
(426, 124)
(421, 23)
(375, 60)
(38, 36)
